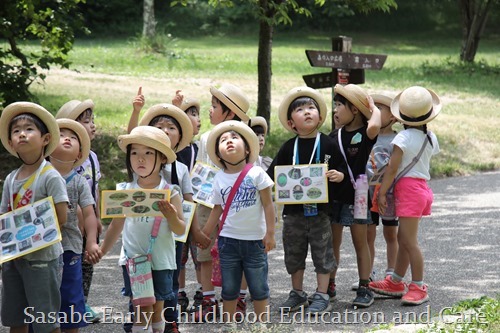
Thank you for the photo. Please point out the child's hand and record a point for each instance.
(371, 103)
(167, 209)
(269, 242)
(200, 239)
(178, 98)
(382, 203)
(93, 254)
(335, 176)
(139, 101)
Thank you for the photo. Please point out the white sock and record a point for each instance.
(158, 327)
(141, 329)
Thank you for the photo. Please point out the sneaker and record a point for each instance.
(183, 301)
(241, 309)
(208, 309)
(92, 316)
(319, 305)
(171, 327)
(364, 297)
(332, 291)
(197, 301)
(388, 287)
(355, 285)
(416, 295)
(294, 302)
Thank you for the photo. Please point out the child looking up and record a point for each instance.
(259, 127)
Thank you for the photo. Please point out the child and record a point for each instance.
(30, 132)
(148, 151)
(247, 233)
(302, 112)
(359, 119)
(414, 107)
(259, 127)
(83, 112)
(228, 103)
(72, 151)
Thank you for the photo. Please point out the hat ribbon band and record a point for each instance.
(234, 103)
(412, 119)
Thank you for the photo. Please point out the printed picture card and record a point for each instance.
(202, 178)
(188, 210)
(28, 229)
(301, 184)
(136, 202)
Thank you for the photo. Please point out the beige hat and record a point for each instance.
(258, 121)
(17, 108)
(416, 106)
(382, 99)
(293, 95)
(234, 98)
(73, 109)
(189, 102)
(148, 136)
(238, 127)
(356, 95)
(176, 113)
(82, 135)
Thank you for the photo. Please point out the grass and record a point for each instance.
(109, 72)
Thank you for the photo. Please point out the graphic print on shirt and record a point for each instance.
(246, 195)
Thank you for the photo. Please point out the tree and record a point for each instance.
(474, 16)
(149, 21)
(50, 22)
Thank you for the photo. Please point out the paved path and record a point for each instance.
(460, 244)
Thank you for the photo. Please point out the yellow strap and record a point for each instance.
(28, 183)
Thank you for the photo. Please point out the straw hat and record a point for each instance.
(176, 113)
(17, 108)
(73, 109)
(293, 95)
(82, 135)
(234, 98)
(258, 121)
(416, 106)
(148, 136)
(189, 102)
(238, 127)
(382, 99)
(356, 95)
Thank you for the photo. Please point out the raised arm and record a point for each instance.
(137, 104)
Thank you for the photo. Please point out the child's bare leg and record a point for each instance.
(142, 313)
(322, 280)
(229, 308)
(261, 308)
(358, 234)
(182, 278)
(298, 280)
(206, 276)
(371, 236)
(408, 240)
(391, 240)
(337, 230)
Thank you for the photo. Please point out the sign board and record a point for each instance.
(329, 79)
(344, 60)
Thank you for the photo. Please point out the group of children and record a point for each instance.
(160, 154)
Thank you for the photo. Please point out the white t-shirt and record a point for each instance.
(202, 150)
(245, 219)
(182, 176)
(137, 230)
(410, 141)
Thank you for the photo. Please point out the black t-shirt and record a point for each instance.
(357, 147)
(185, 155)
(329, 154)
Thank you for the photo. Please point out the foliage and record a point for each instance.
(52, 23)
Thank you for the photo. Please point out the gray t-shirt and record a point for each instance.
(48, 184)
(79, 195)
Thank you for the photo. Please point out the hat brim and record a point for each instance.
(382, 99)
(258, 121)
(229, 103)
(293, 95)
(76, 111)
(176, 113)
(17, 108)
(238, 127)
(147, 139)
(83, 137)
(359, 104)
(436, 109)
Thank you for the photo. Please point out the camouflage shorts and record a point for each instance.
(203, 212)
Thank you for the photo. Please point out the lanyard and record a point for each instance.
(70, 177)
(192, 158)
(20, 199)
(316, 149)
(345, 158)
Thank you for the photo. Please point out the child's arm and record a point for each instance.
(173, 212)
(138, 104)
(375, 121)
(213, 219)
(90, 224)
(178, 98)
(334, 176)
(112, 234)
(267, 203)
(199, 238)
(389, 175)
(61, 212)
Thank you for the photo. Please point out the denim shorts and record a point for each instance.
(30, 283)
(72, 289)
(238, 256)
(162, 284)
(344, 214)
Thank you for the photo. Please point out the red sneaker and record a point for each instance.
(416, 295)
(241, 309)
(208, 310)
(388, 287)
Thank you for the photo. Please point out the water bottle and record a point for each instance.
(361, 197)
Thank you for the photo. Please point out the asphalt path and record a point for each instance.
(460, 243)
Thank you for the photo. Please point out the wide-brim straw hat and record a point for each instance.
(382, 99)
(234, 98)
(82, 135)
(176, 113)
(416, 106)
(73, 109)
(357, 96)
(293, 95)
(148, 136)
(238, 127)
(188, 102)
(258, 121)
(17, 108)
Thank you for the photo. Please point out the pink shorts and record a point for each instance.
(413, 197)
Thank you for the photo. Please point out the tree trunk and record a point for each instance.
(474, 15)
(149, 22)
(264, 63)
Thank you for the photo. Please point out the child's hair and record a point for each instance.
(247, 146)
(258, 129)
(159, 118)
(84, 114)
(225, 109)
(40, 125)
(130, 171)
(300, 101)
(192, 109)
(341, 99)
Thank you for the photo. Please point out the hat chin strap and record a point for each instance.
(234, 164)
(41, 155)
(64, 162)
